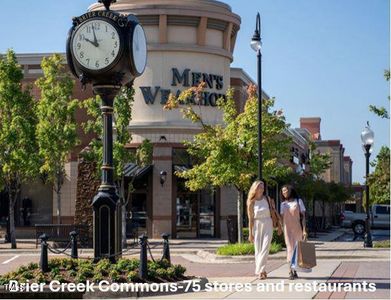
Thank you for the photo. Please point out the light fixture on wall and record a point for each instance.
(163, 177)
(162, 138)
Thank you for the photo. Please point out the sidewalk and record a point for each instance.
(277, 286)
(189, 246)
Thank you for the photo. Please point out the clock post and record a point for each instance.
(106, 204)
(107, 50)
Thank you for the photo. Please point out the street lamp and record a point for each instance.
(256, 46)
(163, 177)
(367, 137)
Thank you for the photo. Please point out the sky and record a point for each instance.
(323, 58)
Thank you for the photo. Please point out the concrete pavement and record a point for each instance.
(339, 261)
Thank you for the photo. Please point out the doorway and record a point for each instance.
(195, 212)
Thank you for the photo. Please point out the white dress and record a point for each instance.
(263, 234)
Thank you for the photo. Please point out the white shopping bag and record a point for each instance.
(294, 264)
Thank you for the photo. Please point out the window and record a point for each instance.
(383, 210)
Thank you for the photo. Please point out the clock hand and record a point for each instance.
(88, 40)
(95, 39)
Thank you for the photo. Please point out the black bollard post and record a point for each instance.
(74, 235)
(43, 262)
(143, 270)
(166, 247)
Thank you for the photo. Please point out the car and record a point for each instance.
(379, 218)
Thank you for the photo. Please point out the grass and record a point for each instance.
(245, 249)
(382, 244)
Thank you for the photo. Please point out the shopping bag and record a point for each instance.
(306, 256)
(294, 262)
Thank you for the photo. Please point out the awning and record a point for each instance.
(133, 170)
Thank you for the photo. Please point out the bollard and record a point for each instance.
(43, 262)
(74, 235)
(166, 247)
(143, 270)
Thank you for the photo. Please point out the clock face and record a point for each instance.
(96, 44)
(139, 47)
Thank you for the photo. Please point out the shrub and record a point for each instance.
(32, 266)
(80, 278)
(179, 270)
(236, 249)
(164, 263)
(59, 277)
(153, 265)
(382, 244)
(132, 276)
(97, 277)
(103, 267)
(171, 272)
(78, 271)
(162, 273)
(114, 275)
(245, 233)
(244, 249)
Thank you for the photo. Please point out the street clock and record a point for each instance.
(104, 47)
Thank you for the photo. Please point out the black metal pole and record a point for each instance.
(73, 235)
(259, 58)
(368, 235)
(43, 262)
(166, 247)
(143, 270)
(106, 204)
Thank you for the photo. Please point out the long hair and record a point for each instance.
(253, 190)
(292, 192)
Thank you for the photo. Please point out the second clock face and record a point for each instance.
(96, 44)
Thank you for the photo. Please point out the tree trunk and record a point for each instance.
(58, 196)
(323, 215)
(123, 212)
(240, 216)
(12, 202)
(314, 226)
(13, 191)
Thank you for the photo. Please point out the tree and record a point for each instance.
(338, 193)
(56, 129)
(319, 163)
(382, 112)
(18, 146)
(226, 154)
(379, 180)
(309, 185)
(123, 104)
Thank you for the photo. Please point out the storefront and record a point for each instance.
(188, 42)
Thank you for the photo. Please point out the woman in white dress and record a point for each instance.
(260, 225)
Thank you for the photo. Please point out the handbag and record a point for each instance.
(273, 214)
(295, 261)
(306, 255)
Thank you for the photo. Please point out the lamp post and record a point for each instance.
(256, 46)
(367, 137)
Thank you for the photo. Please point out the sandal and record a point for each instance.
(295, 274)
(263, 276)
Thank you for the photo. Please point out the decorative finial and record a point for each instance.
(107, 3)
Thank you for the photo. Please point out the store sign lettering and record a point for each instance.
(187, 78)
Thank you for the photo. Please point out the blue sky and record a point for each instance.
(321, 58)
